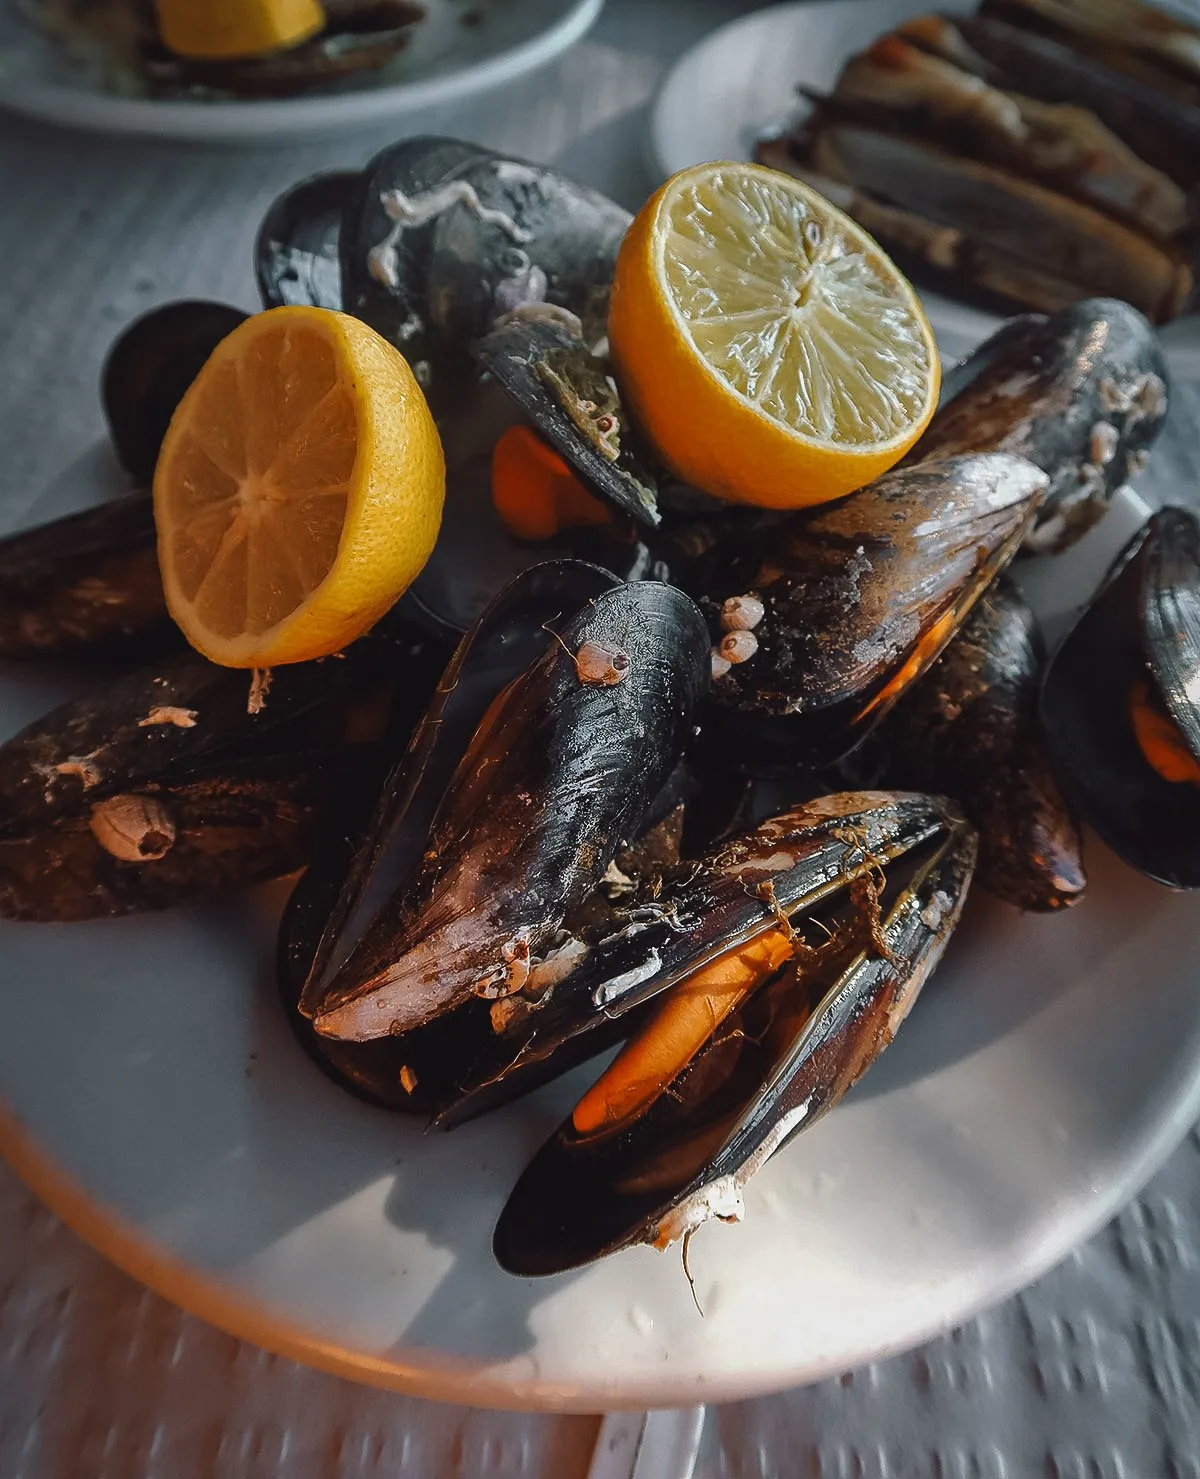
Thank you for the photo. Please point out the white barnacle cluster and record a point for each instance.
(739, 617)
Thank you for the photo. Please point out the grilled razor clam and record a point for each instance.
(1062, 145)
(1029, 221)
(1160, 130)
(1150, 45)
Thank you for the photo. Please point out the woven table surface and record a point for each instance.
(1094, 1373)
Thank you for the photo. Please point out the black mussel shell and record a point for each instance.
(970, 728)
(1142, 628)
(442, 238)
(160, 723)
(230, 827)
(173, 753)
(86, 582)
(793, 861)
(1081, 393)
(297, 254)
(148, 370)
(858, 598)
(535, 237)
(561, 770)
(388, 290)
(568, 394)
(772, 1069)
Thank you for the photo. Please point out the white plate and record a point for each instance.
(443, 62)
(740, 83)
(156, 1099)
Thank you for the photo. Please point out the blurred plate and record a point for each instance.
(445, 60)
(151, 1092)
(741, 82)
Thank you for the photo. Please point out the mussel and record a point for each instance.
(167, 784)
(1120, 703)
(820, 620)
(149, 368)
(88, 581)
(780, 967)
(1082, 394)
(441, 238)
(297, 253)
(970, 728)
(554, 729)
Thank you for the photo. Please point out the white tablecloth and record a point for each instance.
(1092, 1374)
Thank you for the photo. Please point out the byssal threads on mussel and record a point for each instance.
(559, 772)
(442, 238)
(795, 953)
(297, 255)
(149, 368)
(1082, 394)
(1120, 703)
(86, 582)
(857, 600)
(970, 728)
(163, 785)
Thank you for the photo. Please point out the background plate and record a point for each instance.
(156, 1099)
(444, 61)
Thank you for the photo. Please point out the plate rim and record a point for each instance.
(443, 1379)
(289, 119)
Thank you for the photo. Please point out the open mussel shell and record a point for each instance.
(568, 394)
(857, 600)
(87, 582)
(970, 728)
(441, 238)
(297, 255)
(776, 1066)
(560, 771)
(792, 862)
(1081, 393)
(1140, 635)
(149, 368)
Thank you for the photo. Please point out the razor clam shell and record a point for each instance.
(561, 771)
(970, 728)
(894, 82)
(512, 354)
(87, 582)
(149, 368)
(1143, 624)
(668, 1171)
(1159, 130)
(1046, 385)
(852, 591)
(708, 907)
(1019, 217)
(1146, 43)
(297, 254)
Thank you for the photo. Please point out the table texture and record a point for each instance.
(1094, 1373)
